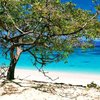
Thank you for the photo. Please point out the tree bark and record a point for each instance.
(11, 70)
(14, 59)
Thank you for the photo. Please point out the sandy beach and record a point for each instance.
(33, 85)
(61, 77)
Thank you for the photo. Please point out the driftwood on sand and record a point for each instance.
(3, 71)
(20, 89)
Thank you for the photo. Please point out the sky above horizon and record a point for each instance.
(83, 4)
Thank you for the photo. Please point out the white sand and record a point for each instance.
(26, 90)
(68, 78)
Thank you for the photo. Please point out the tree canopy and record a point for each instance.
(47, 29)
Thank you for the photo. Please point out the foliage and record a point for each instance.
(47, 29)
(97, 4)
(92, 85)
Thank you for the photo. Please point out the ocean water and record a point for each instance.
(78, 62)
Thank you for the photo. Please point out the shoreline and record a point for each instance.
(61, 71)
(61, 77)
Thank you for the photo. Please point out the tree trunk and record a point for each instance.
(14, 59)
(11, 71)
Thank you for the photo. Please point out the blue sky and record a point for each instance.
(84, 4)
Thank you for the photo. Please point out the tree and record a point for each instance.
(46, 29)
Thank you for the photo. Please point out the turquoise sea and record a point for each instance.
(78, 62)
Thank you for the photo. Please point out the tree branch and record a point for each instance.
(80, 29)
(41, 68)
